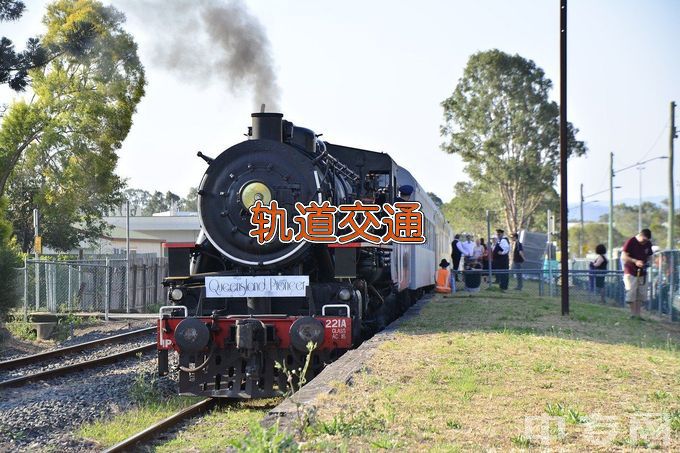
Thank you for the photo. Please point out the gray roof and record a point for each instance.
(156, 223)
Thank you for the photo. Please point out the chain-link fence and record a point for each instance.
(102, 284)
(664, 279)
(584, 285)
(96, 284)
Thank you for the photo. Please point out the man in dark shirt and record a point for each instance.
(456, 253)
(635, 255)
(517, 260)
(501, 258)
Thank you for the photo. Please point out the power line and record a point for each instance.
(655, 141)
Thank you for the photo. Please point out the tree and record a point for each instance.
(500, 121)
(58, 149)
(466, 212)
(626, 219)
(159, 202)
(14, 66)
(138, 199)
(437, 201)
(593, 234)
(190, 202)
(9, 259)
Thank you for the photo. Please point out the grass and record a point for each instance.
(22, 330)
(107, 432)
(222, 427)
(471, 373)
(215, 432)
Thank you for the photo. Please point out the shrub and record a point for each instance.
(9, 259)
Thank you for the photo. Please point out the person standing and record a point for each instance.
(456, 253)
(478, 251)
(599, 267)
(635, 256)
(517, 259)
(485, 254)
(501, 258)
(468, 249)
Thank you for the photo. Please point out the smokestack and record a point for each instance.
(267, 126)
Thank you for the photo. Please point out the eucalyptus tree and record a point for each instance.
(58, 146)
(502, 123)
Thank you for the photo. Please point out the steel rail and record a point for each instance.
(34, 358)
(67, 369)
(161, 426)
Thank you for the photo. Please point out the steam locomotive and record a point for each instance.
(237, 310)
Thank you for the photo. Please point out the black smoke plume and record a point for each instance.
(213, 40)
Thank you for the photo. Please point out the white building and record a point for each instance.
(151, 234)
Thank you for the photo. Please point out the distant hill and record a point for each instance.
(593, 211)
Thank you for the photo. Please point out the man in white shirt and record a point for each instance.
(468, 247)
(501, 258)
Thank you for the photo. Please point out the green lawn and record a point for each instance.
(483, 371)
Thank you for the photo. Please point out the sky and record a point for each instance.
(372, 74)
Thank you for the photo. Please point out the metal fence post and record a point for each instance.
(107, 296)
(80, 286)
(127, 284)
(671, 283)
(134, 286)
(25, 290)
(37, 285)
(155, 282)
(144, 288)
(70, 287)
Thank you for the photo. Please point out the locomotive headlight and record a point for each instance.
(344, 294)
(176, 294)
(255, 191)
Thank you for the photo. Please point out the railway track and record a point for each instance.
(162, 426)
(37, 359)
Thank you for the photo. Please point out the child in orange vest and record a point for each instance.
(444, 279)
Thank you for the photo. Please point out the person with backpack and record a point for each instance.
(599, 267)
(501, 258)
(517, 259)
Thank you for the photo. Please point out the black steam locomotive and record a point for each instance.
(238, 307)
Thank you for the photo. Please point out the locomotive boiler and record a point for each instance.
(237, 308)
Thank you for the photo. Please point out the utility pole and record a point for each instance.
(610, 235)
(671, 198)
(580, 234)
(127, 255)
(36, 232)
(564, 209)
